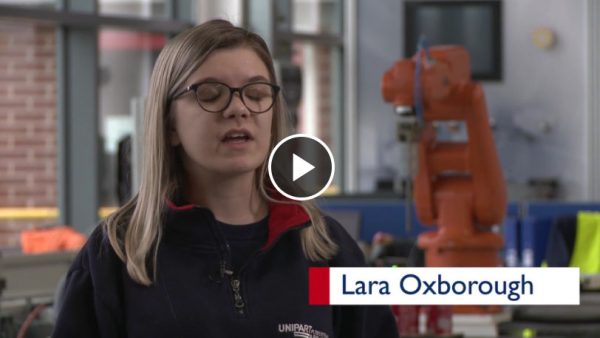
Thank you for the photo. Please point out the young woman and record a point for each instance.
(207, 248)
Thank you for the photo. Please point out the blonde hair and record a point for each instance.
(135, 230)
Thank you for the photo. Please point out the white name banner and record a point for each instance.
(444, 286)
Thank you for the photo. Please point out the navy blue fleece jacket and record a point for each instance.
(195, 294)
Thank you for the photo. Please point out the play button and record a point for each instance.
(301, 167)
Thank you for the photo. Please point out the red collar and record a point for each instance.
(282, 217)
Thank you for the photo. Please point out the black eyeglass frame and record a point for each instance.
(232, 90)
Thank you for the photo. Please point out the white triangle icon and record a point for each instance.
(300, 167)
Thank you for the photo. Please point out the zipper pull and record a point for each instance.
(238, 300)
(225, 270)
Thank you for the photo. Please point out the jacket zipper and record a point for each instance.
(225, 263)
(235, 281)
(237, 296)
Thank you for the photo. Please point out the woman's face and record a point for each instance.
(233, 141)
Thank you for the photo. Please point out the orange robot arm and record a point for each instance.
(458, 186)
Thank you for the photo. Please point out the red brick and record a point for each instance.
(14, 202)
(49, 201)
(28, 191)
(27, 110)
(27, 86)
(12, 154)
(33, 39)
(5, 116)
(43, 53)
(33, 142)
(16, 176)
(28, 116)
(42, 202)
(8, 183)
(5, 66)
(33, 123)
(47, 41)
(43, 139)
(22, 39)
(11, 103)
(6, 142)
(30, 167)
(43, 78)
(41, 102)
(12, 129)
(48, 164)
(36, 91)
(51, 117)
(12, 78)
(41, 175)
(43, 128)
(43, 153)
(24, 65)
(44, 48)
(13, 53)
(43, 180)
(6, 136)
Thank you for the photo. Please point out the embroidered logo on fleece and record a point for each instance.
(301, 330)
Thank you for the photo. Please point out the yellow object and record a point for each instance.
(543, 38)
(586, 252)
(28, 213)
(332, 190)
(42, 213)
(528, 333)
(105, 211)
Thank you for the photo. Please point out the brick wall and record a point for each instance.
(323, 55)
(28, 147)
(322, 60)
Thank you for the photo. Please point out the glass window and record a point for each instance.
(319, 110)
(45, 4)
(134, 8)
(28, 145)
(317, 16)
(126, 61)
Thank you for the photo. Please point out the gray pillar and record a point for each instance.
(78, 160)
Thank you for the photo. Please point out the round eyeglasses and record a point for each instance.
(215, 97)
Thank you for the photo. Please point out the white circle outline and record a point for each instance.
(330, 158)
